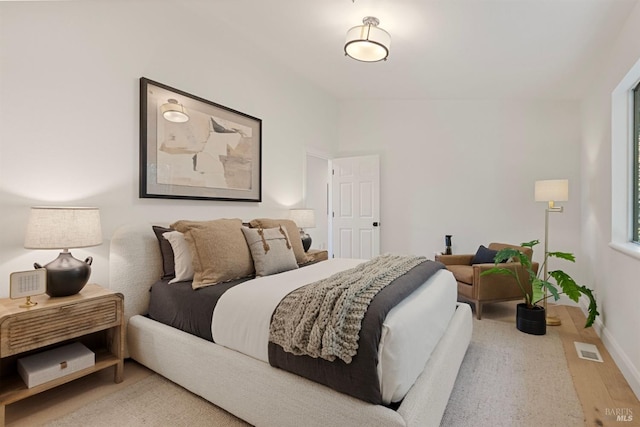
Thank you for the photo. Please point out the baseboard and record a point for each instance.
(624, 363)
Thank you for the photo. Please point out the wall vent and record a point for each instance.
(588, 351)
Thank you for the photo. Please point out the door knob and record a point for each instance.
(376, 224)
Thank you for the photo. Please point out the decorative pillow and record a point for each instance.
(271, 250)
(219, 250)
(182, 259)
(292, 230)
(484, 256)
(168, 266)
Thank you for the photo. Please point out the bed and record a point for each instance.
(247, 386)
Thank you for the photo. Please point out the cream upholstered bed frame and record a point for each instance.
(249, 388)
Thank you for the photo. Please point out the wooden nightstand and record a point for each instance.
(317, 255)
(94, 317)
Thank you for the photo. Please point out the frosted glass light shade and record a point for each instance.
(51, 227)
(174, 112)
(552, 190)
(368, 42)
(304, 218)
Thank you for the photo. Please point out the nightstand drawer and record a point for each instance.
(36, 329)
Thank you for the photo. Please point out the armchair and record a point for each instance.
(479, 289)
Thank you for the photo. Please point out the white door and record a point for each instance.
(355, 185)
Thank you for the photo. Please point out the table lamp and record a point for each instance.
(52, 227)
(304, 218)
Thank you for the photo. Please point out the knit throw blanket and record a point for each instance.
(323, 319)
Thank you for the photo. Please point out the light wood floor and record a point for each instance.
(601, 387)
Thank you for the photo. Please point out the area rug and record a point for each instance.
(507, 378)
(152, 401)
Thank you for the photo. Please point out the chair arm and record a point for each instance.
(499, 286)
(458, 259)
(535, 266)
(515, 266)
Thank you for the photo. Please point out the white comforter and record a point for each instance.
(410, 332)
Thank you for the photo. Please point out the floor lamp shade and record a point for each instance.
(304, 218)
(64, 228)
(552, 190)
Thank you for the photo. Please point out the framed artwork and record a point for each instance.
(191, 148)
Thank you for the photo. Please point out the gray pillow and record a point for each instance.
(168, 266)
(271, 250)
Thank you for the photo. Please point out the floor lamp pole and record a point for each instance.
(551, 320)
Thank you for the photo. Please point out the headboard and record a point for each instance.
(135, 263)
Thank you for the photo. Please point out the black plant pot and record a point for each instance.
(531, 320)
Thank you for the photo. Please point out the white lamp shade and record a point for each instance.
(304, 218)
(51, 227)
(552, 190)
(367, 43)
(174, 112)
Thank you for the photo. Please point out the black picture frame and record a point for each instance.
(215, 155)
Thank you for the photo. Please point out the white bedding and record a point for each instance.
(410, 332)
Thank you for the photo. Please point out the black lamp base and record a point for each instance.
(306, 240)
(66, 275)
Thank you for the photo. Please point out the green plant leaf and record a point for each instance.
(568, 285)
(563, 255)
(552, 289)
(538, 292)
(506, 254)
(593, 308)
(530, 244)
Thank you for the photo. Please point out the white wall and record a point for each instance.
(69, 113)
(467, 168)
(316, 198)
(615, 275)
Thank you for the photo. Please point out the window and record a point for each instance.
(625, 164)
(635, 200)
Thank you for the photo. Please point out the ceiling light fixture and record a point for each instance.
(368, 42)
(174, 112)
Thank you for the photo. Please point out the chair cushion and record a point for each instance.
(484, 255)
(462, 273)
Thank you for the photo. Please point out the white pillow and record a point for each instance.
(181, 256)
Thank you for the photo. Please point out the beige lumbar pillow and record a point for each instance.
(271, 250)
(219, 250)
(292, 231)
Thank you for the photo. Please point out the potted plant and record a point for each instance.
(530, 317)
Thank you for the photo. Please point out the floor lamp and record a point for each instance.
(550, 191)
